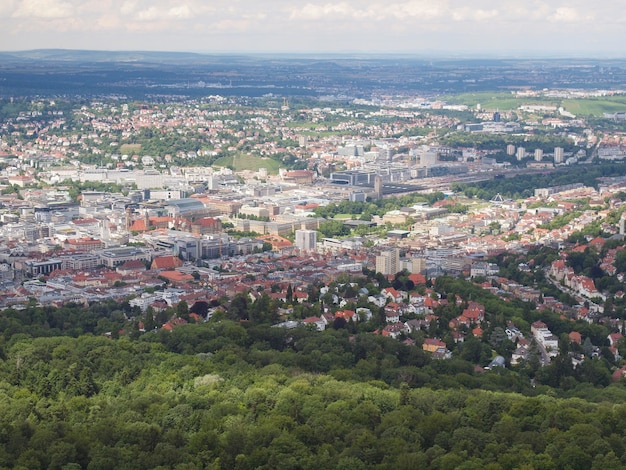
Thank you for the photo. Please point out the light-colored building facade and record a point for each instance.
(388, 262)
(306, 240)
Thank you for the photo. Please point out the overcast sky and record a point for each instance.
(590, 28)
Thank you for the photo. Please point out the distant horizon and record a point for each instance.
(441, 55)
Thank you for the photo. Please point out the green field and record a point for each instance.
(130, 149)
(596, 106)
(248, 162)
(505, 101)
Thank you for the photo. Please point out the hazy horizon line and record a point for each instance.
(442, 54)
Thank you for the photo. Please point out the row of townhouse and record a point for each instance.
(583, 285)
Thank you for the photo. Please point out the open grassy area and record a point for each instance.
(504, 101)
(596, 106)
(130, 149)
(249, 162)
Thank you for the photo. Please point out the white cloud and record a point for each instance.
(7, 8)
(444, 10)
(180, 12)
(415, 9)
(43, 9)
(324, 24)
(376, 11)
(312, 11)
(569, 15)
(159, 11)
(471, 14)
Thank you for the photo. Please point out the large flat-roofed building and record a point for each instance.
(80, 261)
(215, 246)
(114, 257)
(37, 268)
(283, 225)
(189, 248)
(353, 178)
(190, 208)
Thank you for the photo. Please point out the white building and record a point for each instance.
(558, 155)
(306, 240)
(388, 262)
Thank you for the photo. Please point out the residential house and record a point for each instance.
(318, 322)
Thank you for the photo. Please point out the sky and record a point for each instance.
(579, 28)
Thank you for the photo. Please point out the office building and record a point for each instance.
(388, 262)
(510, 150)
(558, 155)
(306, 240)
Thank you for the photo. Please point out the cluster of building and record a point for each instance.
(178, 231)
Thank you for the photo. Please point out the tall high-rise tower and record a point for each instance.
(558, 155)
(306, 240)
(510, 149)
(388, 262)
(378, 186)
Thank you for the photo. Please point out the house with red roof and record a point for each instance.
(459, 321)
(131, 267)
(474, 313)
(300, 296)
(83, 245)
(433, 344)
(393, 294)
(166, 262)
(394, 330)
(176, 277)
(430, 304)
(206, 225)
(585, 286)
(619, 374)
(318, 322)
(614, 339)
(417, 279)
(112, 277)
(174, 322)
(347, 315)
(597, 243)
(143, 224)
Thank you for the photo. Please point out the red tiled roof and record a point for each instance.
(166, 262)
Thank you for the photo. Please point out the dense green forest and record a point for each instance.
(232, 394)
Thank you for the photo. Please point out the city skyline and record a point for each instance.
(422, 27)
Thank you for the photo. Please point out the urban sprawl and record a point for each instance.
(333, 215)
